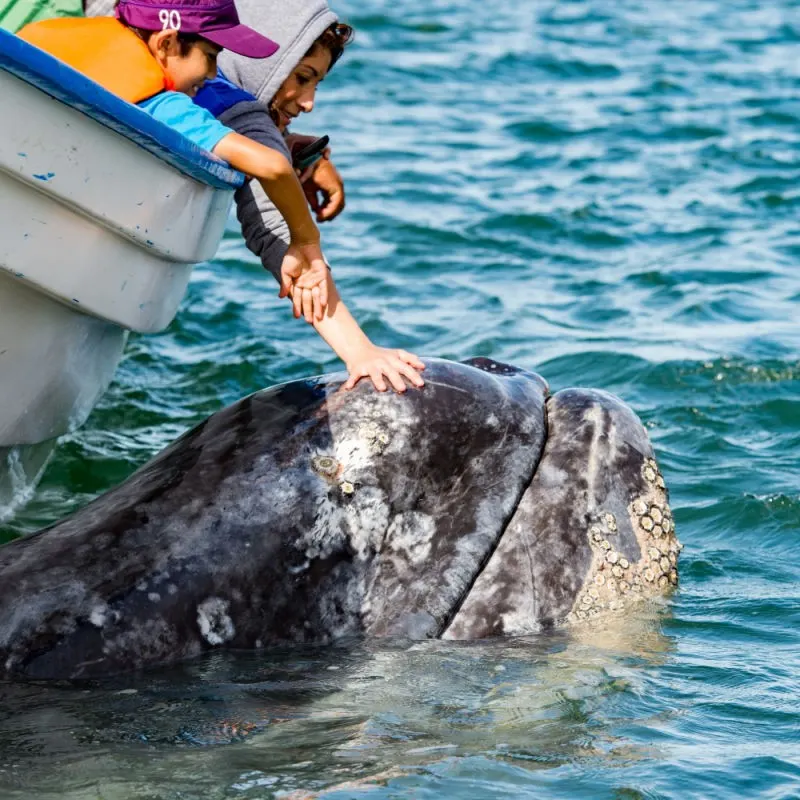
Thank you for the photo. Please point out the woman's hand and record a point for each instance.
(304, 277)
(322, 183)
(376, 363)
(324, 189)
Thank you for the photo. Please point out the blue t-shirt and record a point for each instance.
(179, 112)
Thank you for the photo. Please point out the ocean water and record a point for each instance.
(606, 193)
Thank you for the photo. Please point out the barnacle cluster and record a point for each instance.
(376, 438)
(616, 579)
(333, 471)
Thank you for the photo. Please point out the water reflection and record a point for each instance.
(321, 722)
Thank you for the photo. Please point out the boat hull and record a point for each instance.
(103, 212)
(55, 364)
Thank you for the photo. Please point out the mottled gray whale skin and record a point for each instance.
(299, 514)
(473, 507)
(592, 533)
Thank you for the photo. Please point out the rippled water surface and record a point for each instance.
(606, 193)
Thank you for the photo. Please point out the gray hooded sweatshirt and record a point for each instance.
(294, 25)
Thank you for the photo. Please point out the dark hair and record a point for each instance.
(188, 40)
(334, 39)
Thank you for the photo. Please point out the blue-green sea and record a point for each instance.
(606, 193)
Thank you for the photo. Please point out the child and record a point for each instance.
(157, 54)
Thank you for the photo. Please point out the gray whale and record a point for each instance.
(476, 506)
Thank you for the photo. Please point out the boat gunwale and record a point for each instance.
(60, 81)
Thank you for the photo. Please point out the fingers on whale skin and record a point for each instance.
(593, 534)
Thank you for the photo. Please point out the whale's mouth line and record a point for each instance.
(448, 621)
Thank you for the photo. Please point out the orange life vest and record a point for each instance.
(103, 49)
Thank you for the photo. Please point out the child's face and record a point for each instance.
(296, 95)
(187, 66)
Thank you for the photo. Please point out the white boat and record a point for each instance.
(103, 212)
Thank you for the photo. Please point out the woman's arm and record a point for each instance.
(322, 183)
(362, 358)
(324, 189)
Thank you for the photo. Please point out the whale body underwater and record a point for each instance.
(476, 506)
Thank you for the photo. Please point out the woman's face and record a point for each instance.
(296, 95)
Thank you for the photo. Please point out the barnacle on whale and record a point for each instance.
(327, 466)
(618, 577)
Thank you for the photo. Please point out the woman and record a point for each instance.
(259, 99)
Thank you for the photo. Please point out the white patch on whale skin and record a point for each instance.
(41, 612)
(98, 617)
(406, 547)
(362, 434)
(353, 452)
(326, 536)
(368, 430)
(522, 620)
(340, 610)
(593, 416)
(410, 534)
(367, 518)
(213, 620)
(362, 522)
(530, 424)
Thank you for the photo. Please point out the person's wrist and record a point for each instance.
(357, 352)
(304, 237)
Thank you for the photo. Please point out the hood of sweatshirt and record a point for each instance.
(293, 24)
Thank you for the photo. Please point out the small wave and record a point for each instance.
(21, 469)
(542, 131)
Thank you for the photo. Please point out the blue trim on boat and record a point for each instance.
(63, 83)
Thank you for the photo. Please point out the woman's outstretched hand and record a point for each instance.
(380, 363)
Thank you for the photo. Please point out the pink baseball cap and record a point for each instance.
(215, 20)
